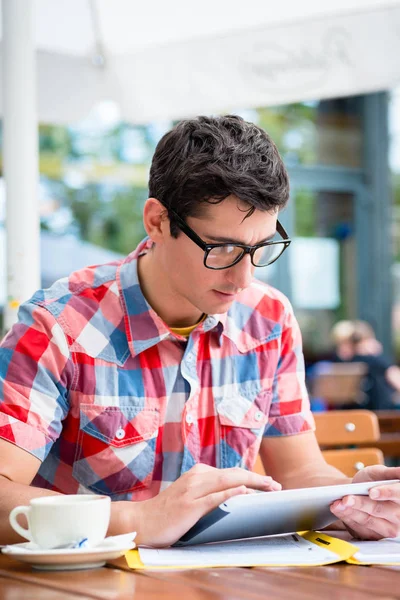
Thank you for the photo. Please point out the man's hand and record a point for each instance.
(165, 518)
(375, 516)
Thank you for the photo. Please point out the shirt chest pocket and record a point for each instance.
(116, 448)
(241, 425)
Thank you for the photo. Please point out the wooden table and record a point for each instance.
(117, 582)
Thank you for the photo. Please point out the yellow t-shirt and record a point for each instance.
(186, 331)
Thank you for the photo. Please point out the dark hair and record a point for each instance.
(206, 159)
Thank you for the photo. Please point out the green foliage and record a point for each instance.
(106, 207)
(118, 224)
(115, 224)
(55, 139)
(305, 213)
(396, 188)
(86, 208)
(293, 130)
(396, 214)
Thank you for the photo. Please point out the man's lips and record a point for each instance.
(227, 295)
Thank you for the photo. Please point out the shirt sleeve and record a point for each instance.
(383, 362)
(36, 372)
(290, 411)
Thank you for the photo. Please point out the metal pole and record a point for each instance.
(375, 288)
(20, 154)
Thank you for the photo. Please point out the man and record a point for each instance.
(355, 341)
(156, 379)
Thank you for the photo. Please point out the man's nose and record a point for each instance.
(241, 274)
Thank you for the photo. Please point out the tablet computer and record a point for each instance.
(272, 513)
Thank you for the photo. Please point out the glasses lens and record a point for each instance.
(267, 254)
(223, 256)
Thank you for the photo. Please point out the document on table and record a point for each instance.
(311, 548)
(386, 552)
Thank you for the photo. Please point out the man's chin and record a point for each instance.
(220, 302)
(215, 303)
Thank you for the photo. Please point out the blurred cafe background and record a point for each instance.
(322, 80)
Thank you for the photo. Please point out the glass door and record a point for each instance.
(323, 264)
(323, 271)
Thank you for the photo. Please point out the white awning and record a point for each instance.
(170, 59)
(174, 59)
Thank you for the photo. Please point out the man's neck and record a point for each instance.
(173, 309)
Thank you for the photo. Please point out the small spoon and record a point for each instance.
(121, 539)
(110, 541)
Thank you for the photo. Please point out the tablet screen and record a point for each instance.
(272, 513)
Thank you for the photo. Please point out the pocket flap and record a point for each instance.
(229, 414)
(119, 426)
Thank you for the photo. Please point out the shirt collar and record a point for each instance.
(143, 326)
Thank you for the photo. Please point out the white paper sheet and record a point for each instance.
(387, 550)
(277, 550)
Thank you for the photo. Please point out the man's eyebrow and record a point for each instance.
(226, 240)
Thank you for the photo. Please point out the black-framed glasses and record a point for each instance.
(225, 255)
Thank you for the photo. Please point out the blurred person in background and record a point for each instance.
(355, 341)
(341, 336)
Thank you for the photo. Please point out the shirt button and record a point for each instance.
(189, 419)
(258, 415)
(120, 434)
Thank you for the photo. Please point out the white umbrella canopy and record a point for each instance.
(169, 59)
(160, 59)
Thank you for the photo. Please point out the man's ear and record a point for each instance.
(155, 220)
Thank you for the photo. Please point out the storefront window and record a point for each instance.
(325, 132)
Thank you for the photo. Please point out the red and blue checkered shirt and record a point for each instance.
(95, 385)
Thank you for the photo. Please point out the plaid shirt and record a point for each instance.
(94, 384)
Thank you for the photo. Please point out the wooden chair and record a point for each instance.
(259, 467)
(336, 430)
(389, 420)
(339, 383)
(346, 427)
(389, 441)
(351, 460)
(339, 429)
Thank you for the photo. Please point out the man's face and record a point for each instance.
(208, 290)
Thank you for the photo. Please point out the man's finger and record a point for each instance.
(213, 500)
(383, 510)
(377, 473)
(361, 521)
(219, 480)
(386, 492)
(362, 533)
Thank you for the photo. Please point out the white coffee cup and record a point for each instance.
(60, 520)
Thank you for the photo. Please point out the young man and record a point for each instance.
(155, 380)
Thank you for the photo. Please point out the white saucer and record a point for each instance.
(65, 560)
